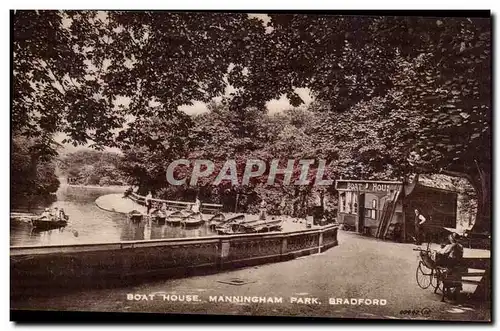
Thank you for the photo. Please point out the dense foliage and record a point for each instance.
(31, 176)
(394, 95)
(88, 167)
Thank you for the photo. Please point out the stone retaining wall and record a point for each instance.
(135, 261)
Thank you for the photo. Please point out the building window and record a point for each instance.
(348, 203)
(371, 213)
(348, 198)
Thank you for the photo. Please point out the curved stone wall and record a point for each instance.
(136, 261)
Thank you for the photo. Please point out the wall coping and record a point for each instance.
(48, 249)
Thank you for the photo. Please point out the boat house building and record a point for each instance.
(386, 209)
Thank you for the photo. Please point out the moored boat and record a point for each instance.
(216, 220)
(135, 216)
(227, 226)
(176, 217)
(224, 230)
(261, 226)
(194, 219)
(158, 216)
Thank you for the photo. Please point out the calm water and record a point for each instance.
(89, 224)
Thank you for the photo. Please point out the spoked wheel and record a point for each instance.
(436, 282)
(423, 276)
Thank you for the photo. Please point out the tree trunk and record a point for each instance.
(480, 179)
(482, 186)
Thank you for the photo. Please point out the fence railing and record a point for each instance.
(90, 263)
(180, 205)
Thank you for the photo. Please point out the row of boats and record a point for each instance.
(218, 223)
(185, 218)
(244, 224)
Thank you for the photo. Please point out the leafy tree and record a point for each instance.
(30, 175)
(403, 94)
(400, 94)
(435, 118)
(451, 90)
(57, 78)
(222, 134)
(150, 144)
(89, 167)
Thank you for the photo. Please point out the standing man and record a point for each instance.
(419, 221)
(262, 210)
(128, 192)
(197, 206)
(149, 202)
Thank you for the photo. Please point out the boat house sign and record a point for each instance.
(368, 186)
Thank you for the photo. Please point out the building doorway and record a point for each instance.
(361, 212)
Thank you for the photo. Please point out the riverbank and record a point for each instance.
(110, 187)
(118, 204)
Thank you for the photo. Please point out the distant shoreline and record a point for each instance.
(124, 187)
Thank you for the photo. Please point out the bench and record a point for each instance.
(456, 279)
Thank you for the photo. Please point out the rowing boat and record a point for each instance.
(261, 226)
(45, 223)
(158, 216)
(176, 217)
(227, 226)
(194, 219)
(135, 216)
(216, 220)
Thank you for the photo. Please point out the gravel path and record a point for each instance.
(358, 268)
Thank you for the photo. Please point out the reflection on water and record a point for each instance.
(33, 204)
(89, 224)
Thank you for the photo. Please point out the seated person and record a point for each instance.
(54, 214)
(46, 213)
(450, 255)
(62, 214)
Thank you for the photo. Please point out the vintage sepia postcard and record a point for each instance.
(274, 164)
